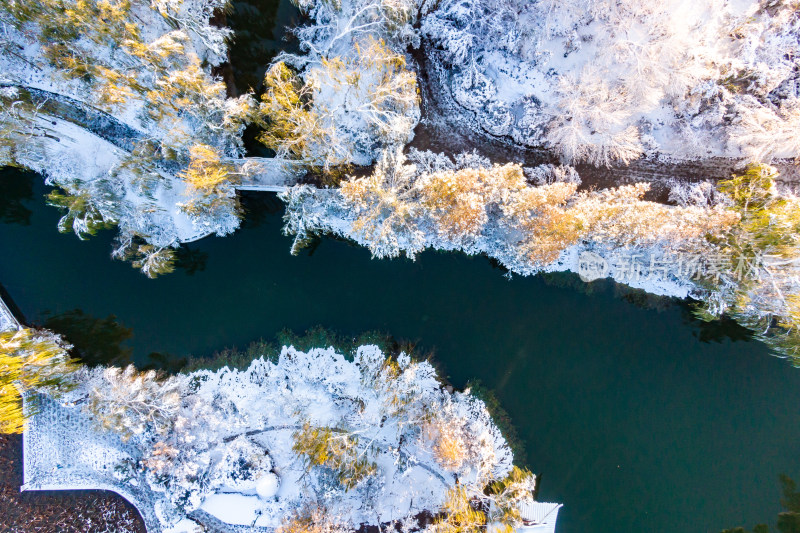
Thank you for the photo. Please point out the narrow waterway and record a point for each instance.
(638, 419)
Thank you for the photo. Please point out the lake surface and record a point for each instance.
(634, 422)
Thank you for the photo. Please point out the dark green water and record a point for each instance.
(635, 423)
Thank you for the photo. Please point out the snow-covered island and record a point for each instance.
(307, 441)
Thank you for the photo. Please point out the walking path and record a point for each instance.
(265, 174)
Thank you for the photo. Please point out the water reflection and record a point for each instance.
(717, 330)
(788, 520)
(724, 328)
(17, 187)
(95, 341)
(190, 259)
(258, 208)
(166, 362)
(260, 32)
(606, 396)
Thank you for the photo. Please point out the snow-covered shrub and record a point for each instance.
(132, 403)
(242, 465)
(312, 519)
(703, 194)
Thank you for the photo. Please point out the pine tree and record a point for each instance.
(82, 216)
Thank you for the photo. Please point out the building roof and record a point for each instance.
(539, 517)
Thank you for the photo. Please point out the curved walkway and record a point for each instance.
(98, 122)
(264, 174)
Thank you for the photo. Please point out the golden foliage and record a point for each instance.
(518, 486)
(292, 124)
(760, 291)
(301, 114)
(184, 88)
(30, 360)
(383, 202)
(541, 221)
(461, 513)
(206, 169)
(447, 437)
(337, 450)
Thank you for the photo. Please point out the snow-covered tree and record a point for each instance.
(82, 216)
(339, 107)
(400, 208)
(349, 441)
(615, 79)
(336, 450)
(131, 403)
(148, 63)
(593, 122)
(766, 133)
(758, 284)
(32, 362)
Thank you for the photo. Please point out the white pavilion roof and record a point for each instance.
(539, 517)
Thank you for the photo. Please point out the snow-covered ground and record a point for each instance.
(242, 448)
(607, 81)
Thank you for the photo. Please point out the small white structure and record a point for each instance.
(267, 486)
(538, 517)
(7, 320)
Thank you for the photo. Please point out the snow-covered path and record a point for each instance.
(98, 122)
(63, 450)
(265, 174)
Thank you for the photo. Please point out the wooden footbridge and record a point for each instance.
(267, 174)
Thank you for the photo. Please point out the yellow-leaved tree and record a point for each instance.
(461, 513)
(759, 286)
(310, 116)
(334, 449)
(207, 171)
(31, 361)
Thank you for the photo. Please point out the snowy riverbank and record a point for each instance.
(366, 441)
